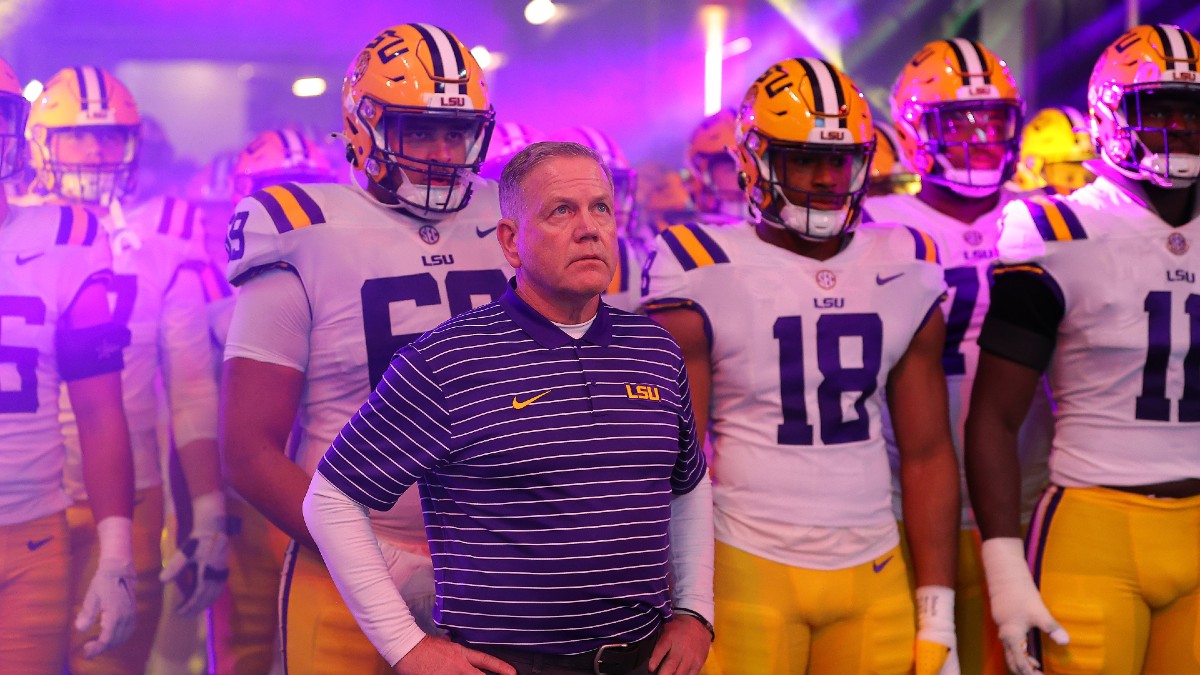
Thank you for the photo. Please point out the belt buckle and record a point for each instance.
(598, 661)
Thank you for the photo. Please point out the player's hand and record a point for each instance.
(1017, 605)
(200, 565)
(110, 599)
(682, 647)
(439, 656)
(936, 650)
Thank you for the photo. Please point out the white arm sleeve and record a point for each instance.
(271, 321)
(187, 359)
(342, 530)
(692, 549)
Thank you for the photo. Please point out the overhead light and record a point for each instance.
(538, 12)
(306, 87)
(736, 47)
(32, 90)
(714, 18)
(482, 56)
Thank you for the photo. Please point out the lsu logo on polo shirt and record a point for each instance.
(642, 391)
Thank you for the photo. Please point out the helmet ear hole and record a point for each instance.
(743, 180)
(351, 156)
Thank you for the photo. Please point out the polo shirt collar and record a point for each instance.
(543, 331)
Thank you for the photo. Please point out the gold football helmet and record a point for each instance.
(712, 166)
(804, 143)
(1054, 145)
(888, 174)
(957, 112)
(83, 133)
(1143, 98)
(417, 117)
(279, 156)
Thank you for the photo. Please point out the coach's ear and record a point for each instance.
(506, 233)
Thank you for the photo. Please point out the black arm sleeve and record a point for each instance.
(1022, 320)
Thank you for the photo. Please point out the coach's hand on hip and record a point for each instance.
(682, 647)
(439, 656)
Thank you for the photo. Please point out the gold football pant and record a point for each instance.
(318, 633)
(1121, 573)
(34, 600)
(244, 622)
(774, 619)
(129, 656)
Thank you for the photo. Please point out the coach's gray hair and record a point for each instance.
(524, 162)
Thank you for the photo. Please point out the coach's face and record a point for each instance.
(564, 246)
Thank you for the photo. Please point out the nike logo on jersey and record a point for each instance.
(878, 566)
(35, 545)
(887, 280)
(484, 233)
(517, 405)
(21, 260)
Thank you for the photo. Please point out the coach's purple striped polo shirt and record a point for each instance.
(546, 467)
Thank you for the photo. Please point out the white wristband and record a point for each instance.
(208, 510)
(115, 535)
(935, 607)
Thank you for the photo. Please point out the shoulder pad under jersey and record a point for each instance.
(1053, 218)
(260, 221)
(692, 246)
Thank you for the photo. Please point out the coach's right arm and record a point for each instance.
(400, 433)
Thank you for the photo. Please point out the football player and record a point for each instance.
(83, 130)
(333, 280)
(1098, 289)
(957, 113)
(624, 292)
(792, 328)
(1054, 145)
(54, 283)
(888, 173)
(244, 628)
(712, 171)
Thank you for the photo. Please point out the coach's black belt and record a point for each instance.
(617, 658)
(1176, 489)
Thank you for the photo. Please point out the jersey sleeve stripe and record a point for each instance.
(164, 220)
(289, 207)
(311, 211)
(681, 254)
(693, 247)
(619, 283)
(1054, 221)
(926, 249)
(77, 226)
(189, 219)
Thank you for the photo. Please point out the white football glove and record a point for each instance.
(937, 643)
(1017, 605)
(109, 595)
(200, 565)
(412, 573)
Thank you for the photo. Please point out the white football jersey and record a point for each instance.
(376, 279)
(158, 293)
(968, 250)
(625, 290)
(801, 350)
(47, 254)
(1126, 366)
